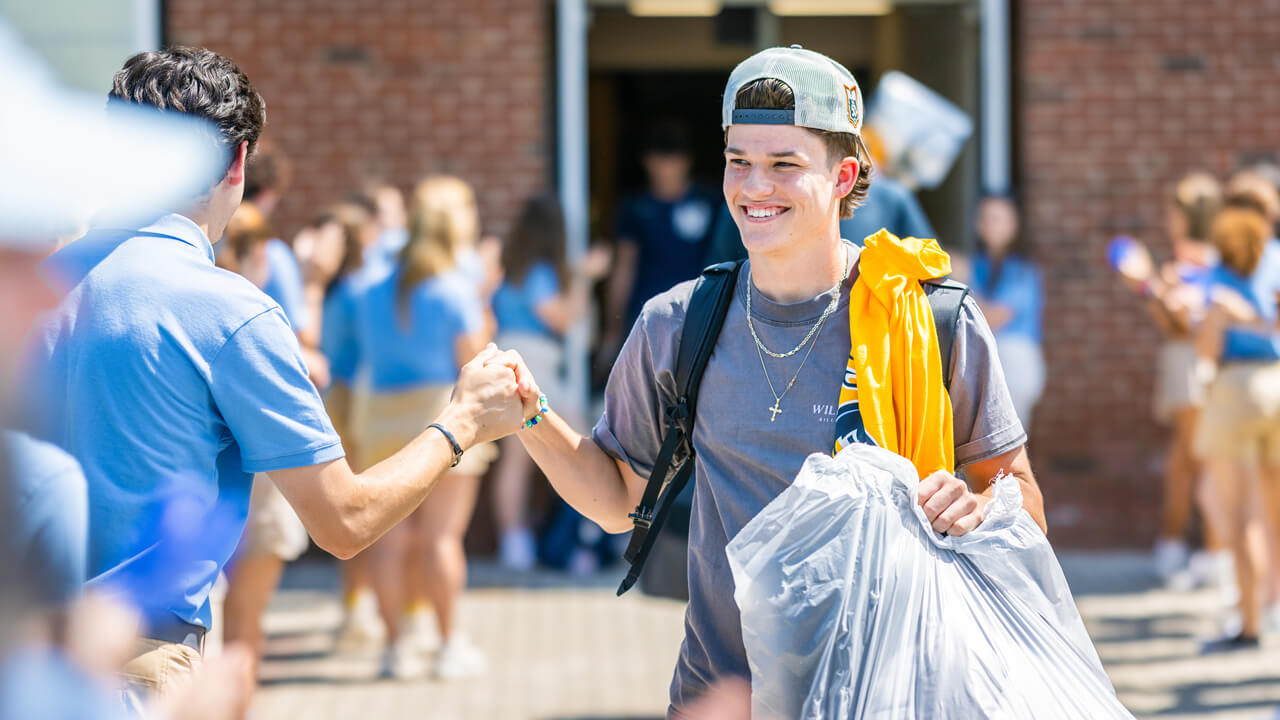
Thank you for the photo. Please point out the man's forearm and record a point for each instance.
(389, 491)
(345, 512)
(581, 473)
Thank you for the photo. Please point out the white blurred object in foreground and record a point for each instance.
(922, 131)
(854, 607)
(66, 159)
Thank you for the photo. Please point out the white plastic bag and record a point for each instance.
(853, 607)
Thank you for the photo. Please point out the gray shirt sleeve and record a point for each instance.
(986, 424)
(642, 383)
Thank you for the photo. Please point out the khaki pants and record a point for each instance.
(156, 668)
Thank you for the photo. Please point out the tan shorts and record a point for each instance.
(1241, 416)
(157, 667)
(273, 528)
(386, 422)
(1176, 385)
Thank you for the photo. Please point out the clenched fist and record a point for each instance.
(950, 506)
(486, 404)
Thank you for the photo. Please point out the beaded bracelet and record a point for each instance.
(543, 409)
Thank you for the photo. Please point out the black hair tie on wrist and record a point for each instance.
(457, 449)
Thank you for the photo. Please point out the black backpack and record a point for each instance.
(703, 320)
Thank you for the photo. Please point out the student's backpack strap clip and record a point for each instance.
(703, 321)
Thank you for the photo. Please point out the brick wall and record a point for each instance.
(1117, 100)
(391, 89)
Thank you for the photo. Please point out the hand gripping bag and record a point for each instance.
(854, 607)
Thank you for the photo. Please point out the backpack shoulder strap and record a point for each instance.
(946, 300)
(704, 318)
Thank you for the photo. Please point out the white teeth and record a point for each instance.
(763, 212)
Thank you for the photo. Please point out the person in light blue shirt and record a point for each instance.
(1011, 294)
(538, 302)
(46, 518)
(516, 303)
(1255, 341)
(413, 325)
(171, 381)
(1238, 434)
(284, 284)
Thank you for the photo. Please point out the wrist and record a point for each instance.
(540, 415)
(461, 423)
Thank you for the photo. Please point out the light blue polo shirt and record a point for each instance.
(338, 341)
(1260, 290)
(171, 381)
(1018, 288)
(515, 304)
(402, 352)
(284, 283)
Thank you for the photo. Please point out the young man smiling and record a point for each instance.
(794, 165)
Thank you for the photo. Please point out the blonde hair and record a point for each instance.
(1251, 187)
(1198, 196)
(442, 221)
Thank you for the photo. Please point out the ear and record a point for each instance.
(235, 173)
(846, 175)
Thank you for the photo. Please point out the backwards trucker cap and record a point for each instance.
(827, 96)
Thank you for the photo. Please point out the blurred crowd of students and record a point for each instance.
(389, 299)
(1218, 385)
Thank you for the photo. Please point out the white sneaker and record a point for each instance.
(459, 659)
(1202, 569)
(518, 550)
(1225, 572)
(1271, 621)
(1232, 623)
(1170, 558)
(420, 629)
(361, 628)
(403, 661)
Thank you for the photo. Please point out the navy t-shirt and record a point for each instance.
(672, 240)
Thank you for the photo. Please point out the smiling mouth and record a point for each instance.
(762, 214)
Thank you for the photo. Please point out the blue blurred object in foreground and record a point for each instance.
(1120, 249)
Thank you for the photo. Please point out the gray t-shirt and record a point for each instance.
(744, 460)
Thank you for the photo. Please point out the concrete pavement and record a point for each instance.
(562, 648)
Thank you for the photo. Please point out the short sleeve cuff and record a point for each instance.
(327, 452)
(1011, 437)
(603, 436)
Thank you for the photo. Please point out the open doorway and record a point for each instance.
(643, 69)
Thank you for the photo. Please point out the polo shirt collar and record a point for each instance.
(181, 228)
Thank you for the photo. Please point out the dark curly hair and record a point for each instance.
(773, 94)
(197, 82)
